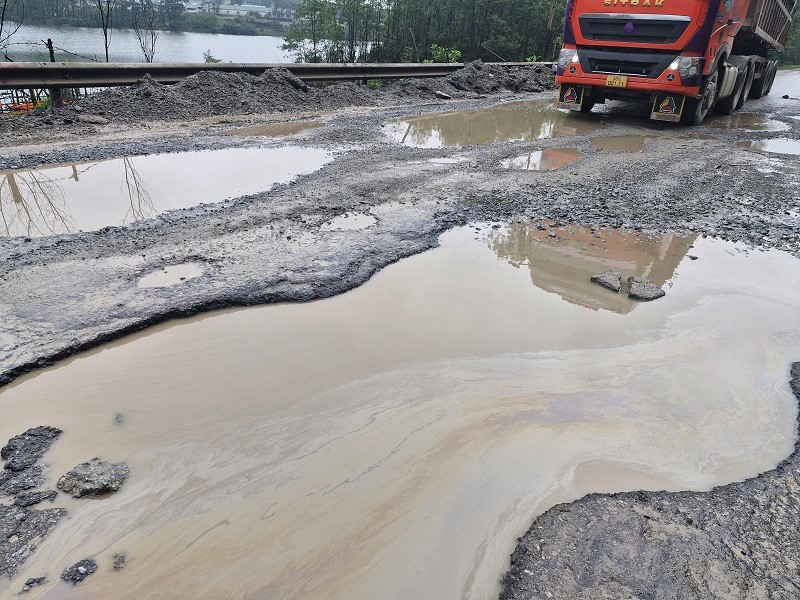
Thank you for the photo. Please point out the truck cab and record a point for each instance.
(683, 57)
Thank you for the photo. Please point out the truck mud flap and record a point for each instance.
(570, 96)
(668, 107)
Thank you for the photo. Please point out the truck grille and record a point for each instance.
(624, 63)
(615, 27)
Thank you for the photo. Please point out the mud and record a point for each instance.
(171, 275)
(306, 457)
(623, 143)
(275, 129)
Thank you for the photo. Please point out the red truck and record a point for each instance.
(683, 57)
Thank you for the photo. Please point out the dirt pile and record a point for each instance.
(481, 78)
(277, 90)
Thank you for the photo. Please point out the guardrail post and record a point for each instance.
(56, 96)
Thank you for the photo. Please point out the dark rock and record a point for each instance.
(32, 583)
(26, 499)
(608, 279)
(640, 288)
(79, 571)
(21, 530)
(12, 483)
(22, 451)
(119, 419)
(120, 558)
(93, 477)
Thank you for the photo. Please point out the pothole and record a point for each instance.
(544, 160)
(773, 146)
(349, 222)
(89, 196)
(746, 121)
(515, 121)
(170, 276)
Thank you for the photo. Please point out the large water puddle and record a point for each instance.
(515, 121)
(90, 196)
(392, 442)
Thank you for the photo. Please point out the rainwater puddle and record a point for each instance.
(775, 146)
(747, 122)
(515, 121)
(621, 143)
(544, 160)
(349, 222)
(90, 196)
(393, 441)
(170, 276)
(275, 129)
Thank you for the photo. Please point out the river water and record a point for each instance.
(393, 441)
(26, 45)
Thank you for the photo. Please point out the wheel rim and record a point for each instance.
(709, 95)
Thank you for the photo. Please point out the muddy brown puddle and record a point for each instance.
(514, 121)
(90, 196)
(393, 441)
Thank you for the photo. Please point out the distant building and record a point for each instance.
(192, 8)
(243, 10)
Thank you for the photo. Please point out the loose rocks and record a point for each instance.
(32, 583)
(93, 477)
(608, 279)
(79, 571)
(22, 528)
(640, 288)
(22, 451)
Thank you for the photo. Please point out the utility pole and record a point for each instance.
(56, 97)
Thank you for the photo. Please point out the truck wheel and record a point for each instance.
(748, 83)
(771, 78)
(696, 109)
(728, 104)
(760, 84)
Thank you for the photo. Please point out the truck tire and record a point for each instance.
(696, 109)
(759, 85)
(748, 83)
(727, 105)
(771, 79)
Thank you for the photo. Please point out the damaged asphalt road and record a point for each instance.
(64, 294)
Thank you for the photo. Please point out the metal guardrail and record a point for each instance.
(73, 75)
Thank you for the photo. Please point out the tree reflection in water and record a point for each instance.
(34, 204)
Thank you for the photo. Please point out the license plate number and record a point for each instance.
(616, 81)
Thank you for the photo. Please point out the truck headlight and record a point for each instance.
(567, 56)
(687, 66)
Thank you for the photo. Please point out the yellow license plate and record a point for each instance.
(617, 81)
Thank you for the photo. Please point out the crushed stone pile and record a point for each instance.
(211, 93)
(481, 78)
